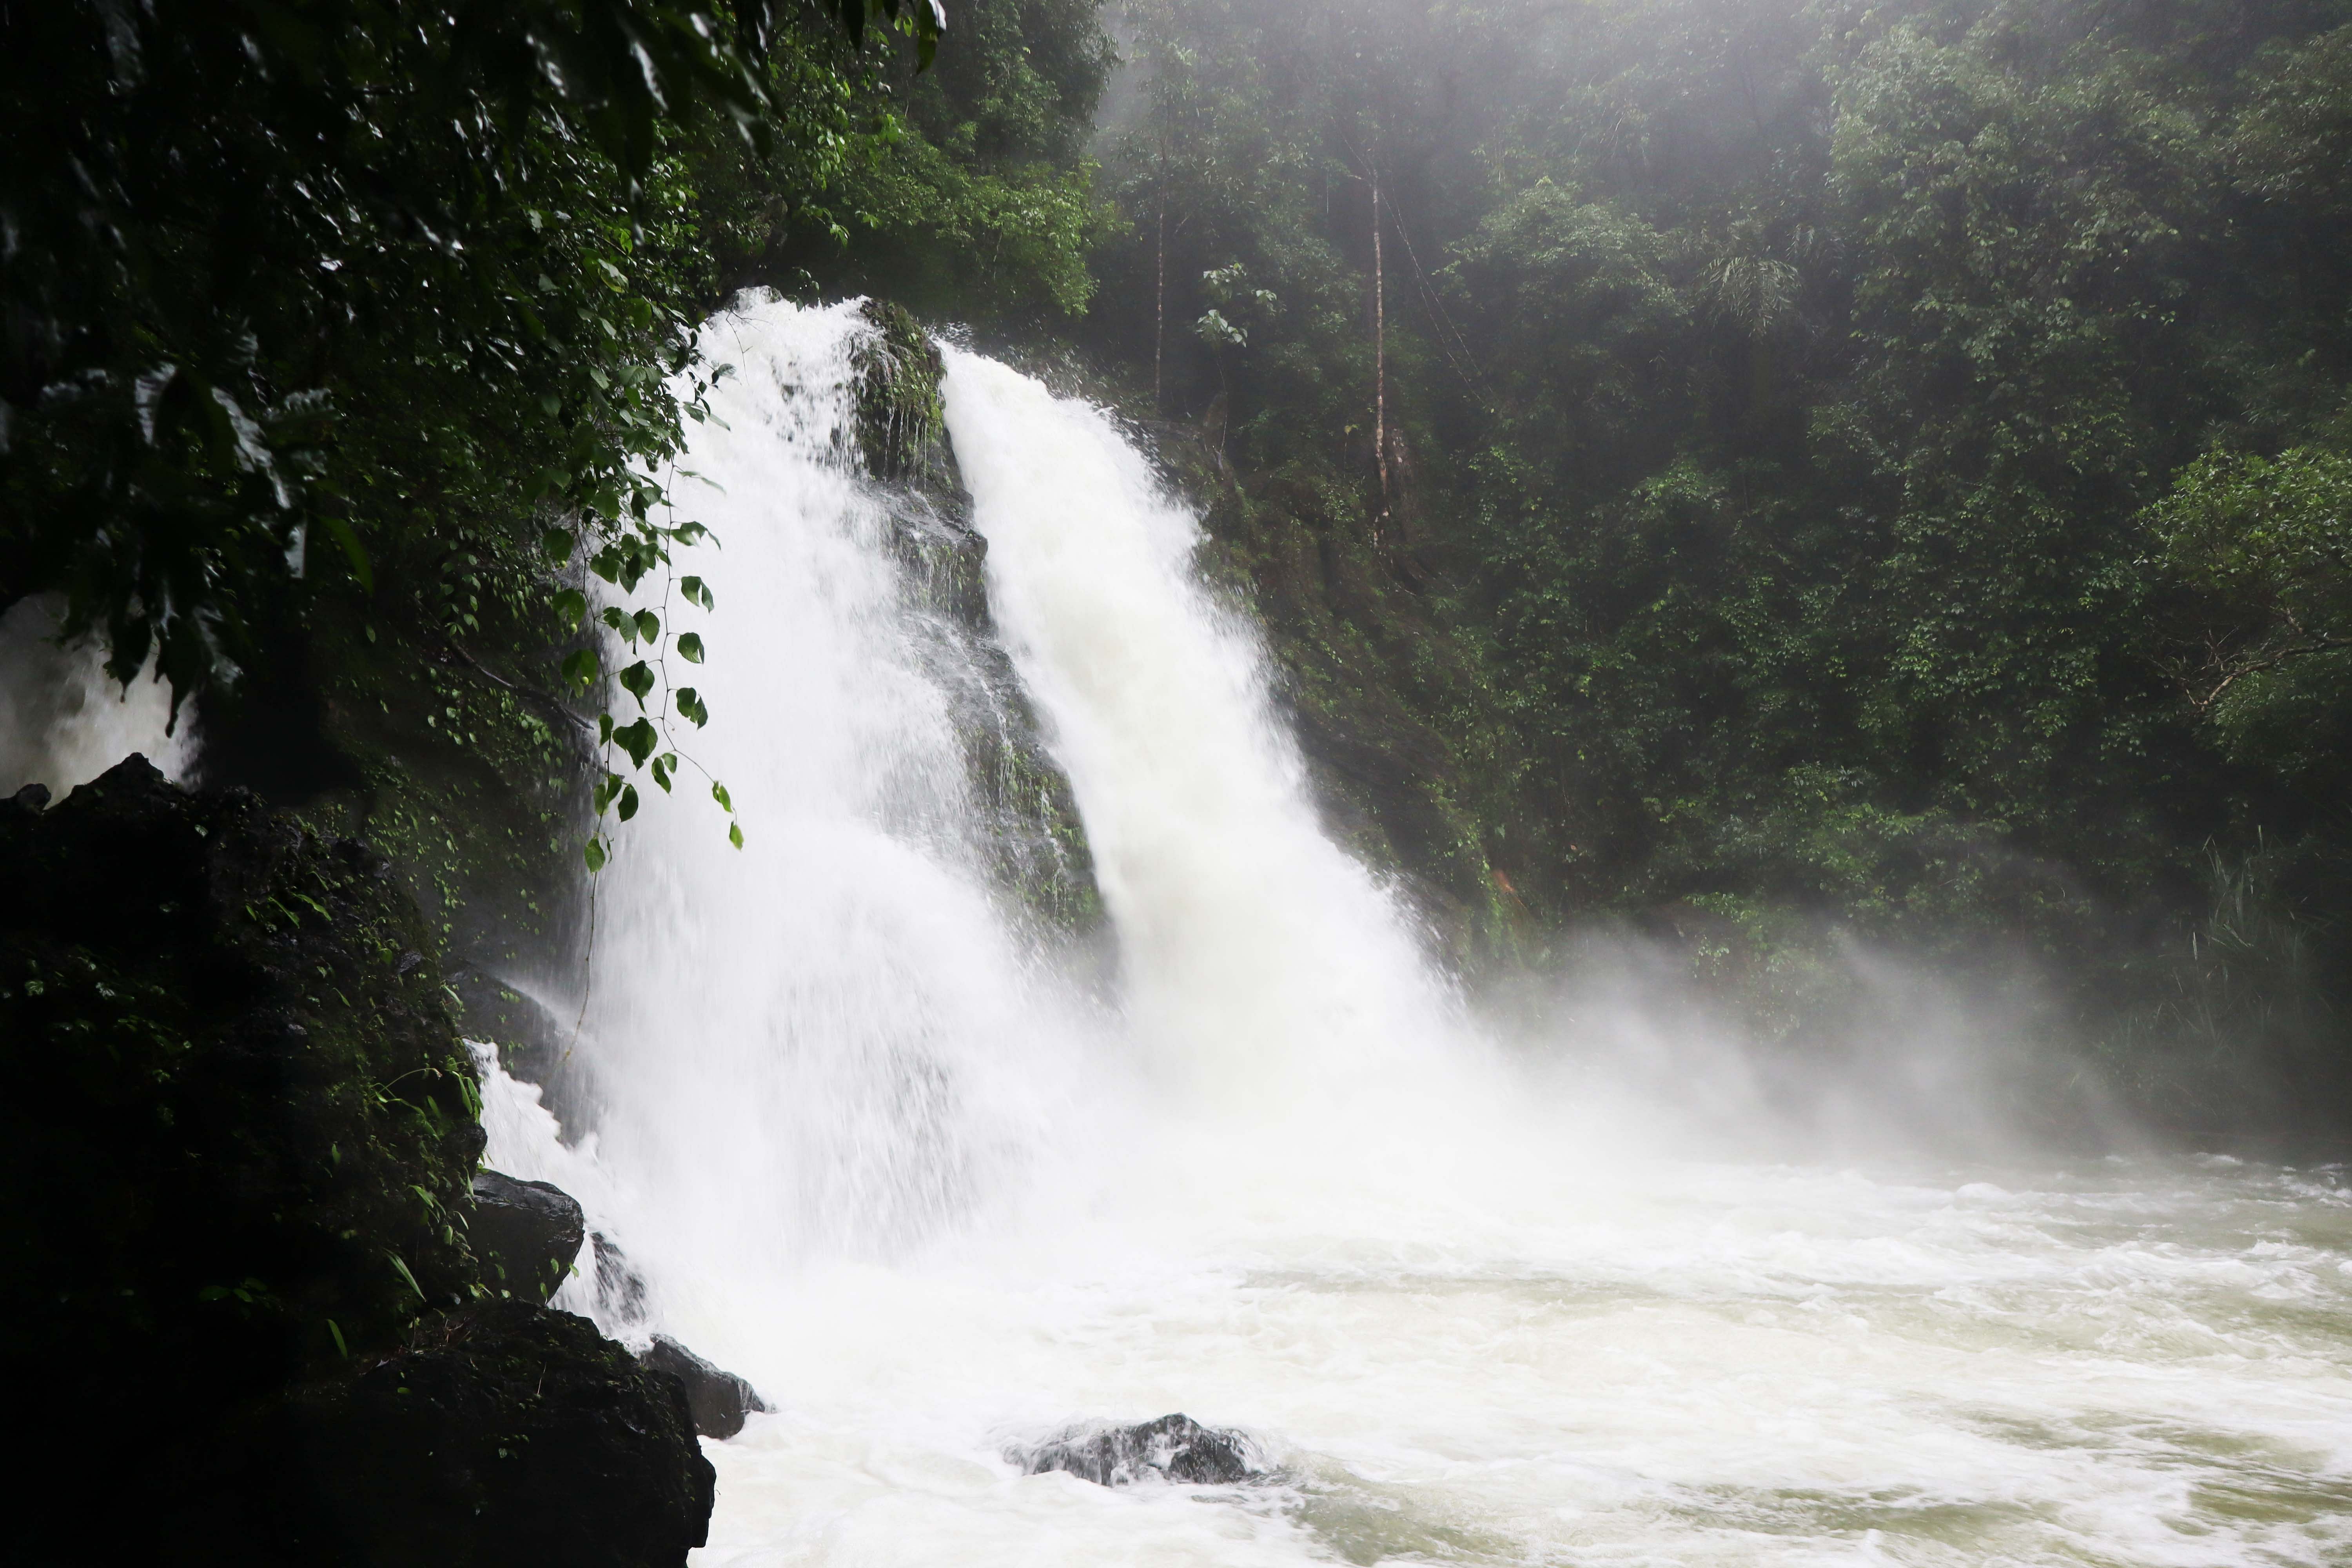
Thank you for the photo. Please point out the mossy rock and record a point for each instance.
(236, 1037)
(501, 1434)
(239, 1131)
(1035, 845)
(901, 418)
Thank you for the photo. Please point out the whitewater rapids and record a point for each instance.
(876, 1148)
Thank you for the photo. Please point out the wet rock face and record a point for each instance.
(1172, 1448)
(720, 1400)
(236, 1152)
(237, 1126)
(506, 1434)
(526, 1235)
(901, 424)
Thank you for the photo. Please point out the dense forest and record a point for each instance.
(1759, 476)
(1878, 470)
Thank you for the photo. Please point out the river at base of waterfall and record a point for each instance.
(1552, 1358)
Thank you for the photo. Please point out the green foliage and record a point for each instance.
(2268, 544)
(298, 291)
(963, 190)
(2288, 145)
(1787, 395)
(234, 1033)
(2260, 551)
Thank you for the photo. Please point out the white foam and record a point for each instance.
(63, 720)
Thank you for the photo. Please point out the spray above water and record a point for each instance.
(64, 720)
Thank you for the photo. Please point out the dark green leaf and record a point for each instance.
(638, 740)
(361, 570)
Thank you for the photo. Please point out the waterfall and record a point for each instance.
(1262, 964)
(845, 1039)
(837, 1041)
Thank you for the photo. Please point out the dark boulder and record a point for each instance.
(236, 1152)
(526, 1234)
(235, 1141)
(1172, 1448)
(720, 1400)
(503, 1435)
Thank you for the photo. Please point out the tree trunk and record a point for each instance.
(1379, 368)
(1160, 321)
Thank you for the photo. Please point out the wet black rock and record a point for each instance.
(236, 1148)
(503, 1435)
(527, 1234)
(1172, 1448)
(233, 1136)
(720, 1400)
(620, 1288)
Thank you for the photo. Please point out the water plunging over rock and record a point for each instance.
(1172, 1448)
(857, 1153)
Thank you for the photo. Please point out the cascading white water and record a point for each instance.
(1262, 961)
(872, 1152)
(815, 1045)
(63, 720)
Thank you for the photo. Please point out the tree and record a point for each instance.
(237, 231)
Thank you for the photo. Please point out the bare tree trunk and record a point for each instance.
(1380, 366)
(1159, 322)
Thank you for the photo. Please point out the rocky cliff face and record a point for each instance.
(1036, 844)
(235, 1158)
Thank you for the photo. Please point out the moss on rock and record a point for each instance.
(1034, 843)
(500, 1435)
(901, 419)
(238, 1146)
